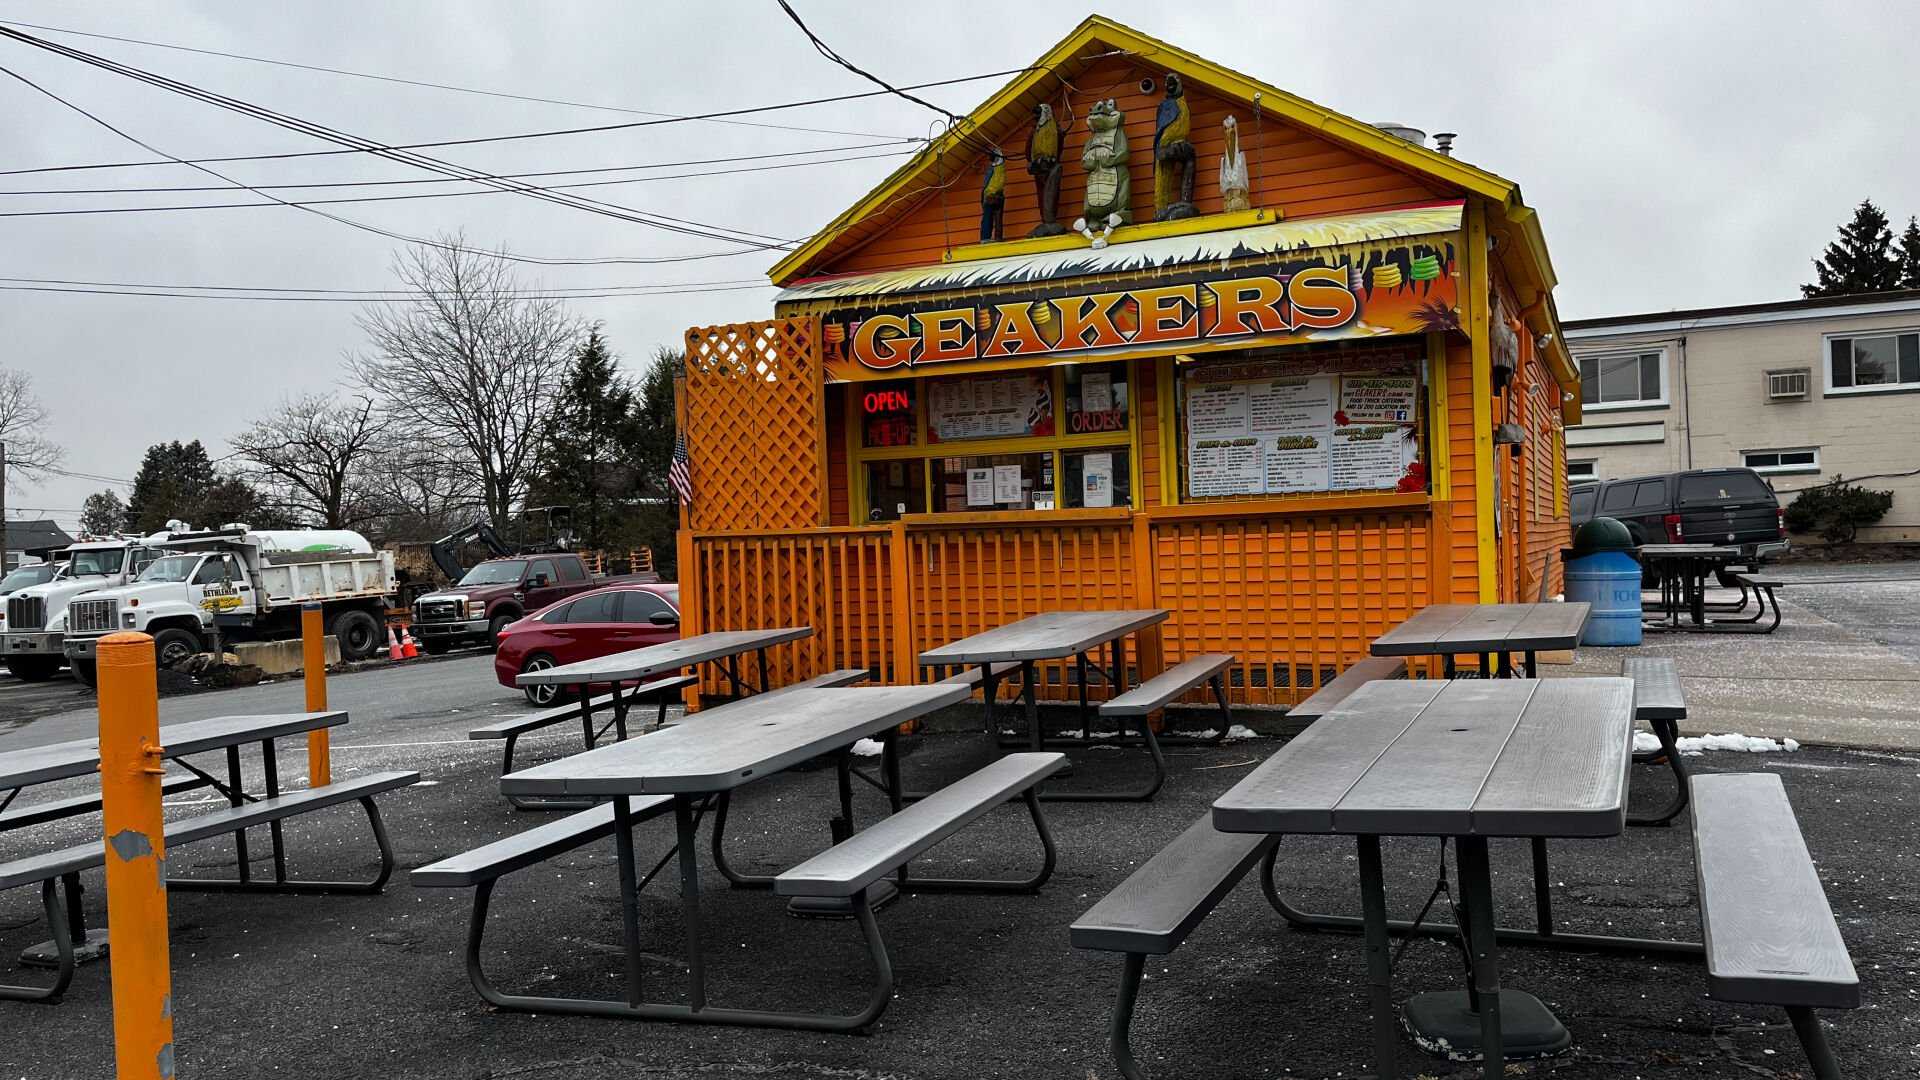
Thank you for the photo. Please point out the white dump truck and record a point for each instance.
(245, 585)
(36, 616)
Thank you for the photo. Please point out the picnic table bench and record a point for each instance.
(1660, 703)
(1494, 632)
(510, 729)
(81, 757)
(693, 769)
(1361, 673)
(1770, 934)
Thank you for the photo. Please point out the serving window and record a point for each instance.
(1278, 423)
(1036, 439)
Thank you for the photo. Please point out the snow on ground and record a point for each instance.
(1694, 746)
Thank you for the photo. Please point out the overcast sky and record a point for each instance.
(1679, 155)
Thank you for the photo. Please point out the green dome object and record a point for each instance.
(1602, 534)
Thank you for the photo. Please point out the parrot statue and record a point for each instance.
(1173, 155)
(993, 198)
(1043, 164)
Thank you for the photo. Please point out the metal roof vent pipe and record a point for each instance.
(1402, 131)
(1443, 141)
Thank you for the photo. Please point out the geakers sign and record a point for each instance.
(1320, 303)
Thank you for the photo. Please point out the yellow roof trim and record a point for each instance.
(1100, 31)
(1125, 234)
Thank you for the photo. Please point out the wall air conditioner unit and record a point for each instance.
(1787, 385)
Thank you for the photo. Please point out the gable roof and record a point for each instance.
(1521, 247)
(34, 535)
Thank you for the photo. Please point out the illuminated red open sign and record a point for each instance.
(886, 401)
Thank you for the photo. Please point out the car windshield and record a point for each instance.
(503, 572)
(25, 576)
(172, 568)
(103, 562)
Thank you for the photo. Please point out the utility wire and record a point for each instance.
(363, 226)
(550, 133)
(86, 210)
(445, 168)
(352, 299)
(518, 293)
(439, 86)
(496, 176)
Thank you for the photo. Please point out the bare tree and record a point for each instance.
(306, 457)
(30, 453)
(418, 489)
(476, 364)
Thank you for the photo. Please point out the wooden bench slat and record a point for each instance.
(1770, 935)
(1159, 904)
(1154, 694)
(1755, 581)
(869, 855)
(1323, 700)
(973, 676)
(38, 868)
(535, 845)
(852, 676)
(1657, 694)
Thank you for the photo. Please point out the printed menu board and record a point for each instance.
(1256, 432)
(989, 407)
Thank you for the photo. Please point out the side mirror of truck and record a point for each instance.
(537, 581)
(664, 618)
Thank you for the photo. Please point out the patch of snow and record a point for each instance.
(1241, 731)
(1207, 733)
(1096, 734)
(867, 748)
(1694, 746)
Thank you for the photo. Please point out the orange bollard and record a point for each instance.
(130, 768)
(313, 663)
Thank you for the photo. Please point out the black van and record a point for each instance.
(1733, 507)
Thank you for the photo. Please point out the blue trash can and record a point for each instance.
(1602, 571)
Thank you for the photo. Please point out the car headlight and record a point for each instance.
(475, 609)
(126, 619)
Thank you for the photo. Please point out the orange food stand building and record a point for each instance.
(1326, 390)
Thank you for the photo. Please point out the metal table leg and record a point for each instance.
(1373, 905)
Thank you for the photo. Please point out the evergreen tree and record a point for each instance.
(659, 512)
(1910, 255)
(588, 459)
(1861, 260)
(178, 481)
(103, 512)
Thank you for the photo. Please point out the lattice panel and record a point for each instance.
(754, 426)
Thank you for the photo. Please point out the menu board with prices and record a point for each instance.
(990, 407)
(1265, 433)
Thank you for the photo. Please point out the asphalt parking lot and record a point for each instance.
(269, 986)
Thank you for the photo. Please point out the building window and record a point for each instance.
(1865, 364)
(1802, 460)
(1624, 380)
(1582, 471)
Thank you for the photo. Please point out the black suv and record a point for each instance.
(1732, 507)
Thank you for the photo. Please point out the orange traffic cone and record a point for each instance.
(408, 648)
(393, 647)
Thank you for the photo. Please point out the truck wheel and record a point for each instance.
(497, 624)
(170, 646)
(358, 633)
(33, 668)
(83, 672)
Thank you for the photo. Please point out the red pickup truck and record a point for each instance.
(499, 591)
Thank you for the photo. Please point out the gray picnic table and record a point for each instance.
(1051, 635)
(53, 762)
(1683, 570)
(1489, 630)
(1463, 760)
(698, 766)
(637, 664)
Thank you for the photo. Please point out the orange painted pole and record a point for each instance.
(130, 769)
(313, 663)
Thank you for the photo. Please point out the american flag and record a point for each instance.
(680, 474)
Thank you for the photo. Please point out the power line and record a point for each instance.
(438, 86)
(354, 299)
(497, 176)
(89, 210)
(415, 293)
(327, 134)
(364, 227)
(550, 133)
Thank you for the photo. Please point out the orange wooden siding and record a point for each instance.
(1295, 597)
(1460, 563)
(1290, 168)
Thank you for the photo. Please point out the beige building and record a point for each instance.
(1801, 391)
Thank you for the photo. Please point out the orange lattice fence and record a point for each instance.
(754, 426)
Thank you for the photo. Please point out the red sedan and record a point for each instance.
(598, 623)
